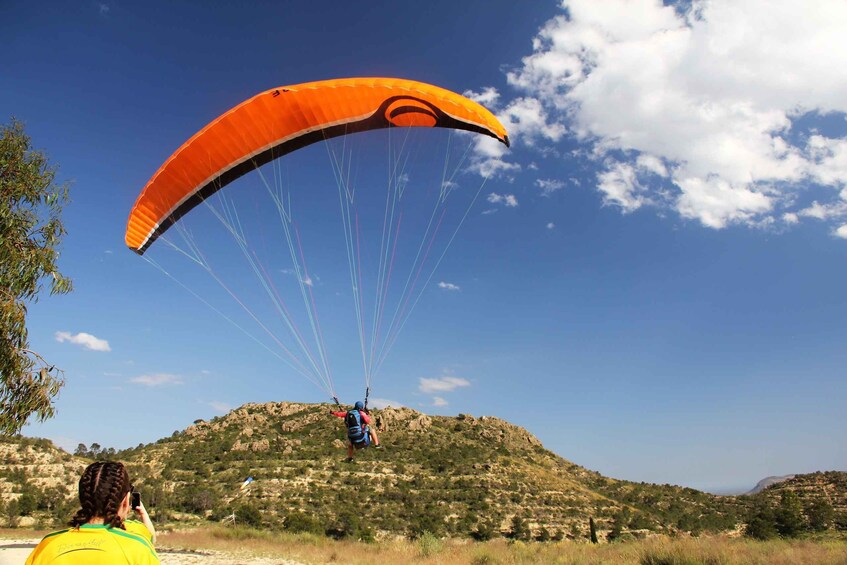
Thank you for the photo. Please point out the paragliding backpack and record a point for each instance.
(355, 432)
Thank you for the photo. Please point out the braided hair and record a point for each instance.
(102, 488)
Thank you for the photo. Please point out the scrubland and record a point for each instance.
(306, 548)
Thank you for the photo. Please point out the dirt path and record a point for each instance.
(15, 552)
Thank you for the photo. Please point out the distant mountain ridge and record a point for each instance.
(452, 476)
(824, 486)
(768, 481)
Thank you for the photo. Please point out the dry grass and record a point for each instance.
(21, 534)
(656, 551)
(305, 548)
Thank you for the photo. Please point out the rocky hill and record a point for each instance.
(829, 487)
(37, 479)
(456, 476)
(768, 481)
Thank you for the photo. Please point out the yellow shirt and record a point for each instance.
(94, 544)
(139, 529)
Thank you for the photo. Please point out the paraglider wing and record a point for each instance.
(279, 121)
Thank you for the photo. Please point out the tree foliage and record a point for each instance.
(592, 530)
(520, 529)
(760, 523)
(789, 515)
(31, 231)
(249, 515)
(820, 515)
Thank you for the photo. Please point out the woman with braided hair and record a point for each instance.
(99, 532)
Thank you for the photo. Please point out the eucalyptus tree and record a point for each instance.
(31, 232)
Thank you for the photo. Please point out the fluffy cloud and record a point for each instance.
(507, 200)
(438, 401)
(549, 186)
(620, 187)
(489, 158)
(693, 107)
(824, 211)
(441, 384)
(380, 403)
(527, 121)
(85, 340)
(488, 97)
(158, 379)
(448, 286)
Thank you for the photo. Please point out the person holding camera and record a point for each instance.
(99, 532)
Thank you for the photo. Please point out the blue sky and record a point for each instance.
(651, 281)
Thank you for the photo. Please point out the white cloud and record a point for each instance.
(827, 159)
(489, 158)
(85, 340)
(716, 203)
(307, 280)
(653, 164)
(550, 225)
(824, 211)
(507, 200)
(441, 384)
(621, 188)
(692, 108)
(448, 286)
(380, 403)
(841, 231)
(549, 186)
(527, 121)
(438, 401)
(488, 97)
(158, 379)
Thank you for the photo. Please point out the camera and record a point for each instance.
(136, 500)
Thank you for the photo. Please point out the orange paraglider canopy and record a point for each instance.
(281, 120)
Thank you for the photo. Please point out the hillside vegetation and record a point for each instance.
(38, 482)
(444, 476)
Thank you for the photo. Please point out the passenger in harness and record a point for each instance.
(359, 432)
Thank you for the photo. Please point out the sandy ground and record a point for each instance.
(15, 552)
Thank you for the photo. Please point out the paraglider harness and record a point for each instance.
(357, 432)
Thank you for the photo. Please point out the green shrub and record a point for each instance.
(249, 515)
(299, 522)
(485, 530)
(428, 544)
